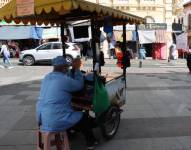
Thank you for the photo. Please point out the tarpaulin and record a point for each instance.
(20, 32)
(146, 37)
(182, 41)
(119, 37)
(51, 33)
(160, 36)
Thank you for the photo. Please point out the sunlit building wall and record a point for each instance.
(155, 11)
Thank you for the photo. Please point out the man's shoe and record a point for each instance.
(10, 67)
(3, 67)
(96, 142)
(90, 145)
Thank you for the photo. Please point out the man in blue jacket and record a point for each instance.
(142, 55)
(54, 111)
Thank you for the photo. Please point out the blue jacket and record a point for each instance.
(54, 109)
(142, 53)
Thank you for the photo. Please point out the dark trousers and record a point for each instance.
(189, 69)
(85, 125)
(189, 65)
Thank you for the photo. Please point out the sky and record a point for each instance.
(185, 1)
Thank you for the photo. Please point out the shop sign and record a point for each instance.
(25, 7)
(177, 27)
(152, 26)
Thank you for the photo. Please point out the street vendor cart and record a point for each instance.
(58, 13)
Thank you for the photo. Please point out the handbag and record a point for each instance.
(101, 100)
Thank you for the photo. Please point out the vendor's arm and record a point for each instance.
(77, 83)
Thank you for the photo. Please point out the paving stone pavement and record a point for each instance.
(157, 115)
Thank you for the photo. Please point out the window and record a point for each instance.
(149, 19)
(127, 8)
(44, 47)
(57, 46)
(81, 32)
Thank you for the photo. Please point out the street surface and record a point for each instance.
(157, 114)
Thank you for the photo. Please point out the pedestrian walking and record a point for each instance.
(111, 44)
(142, 55)
(188, 59)
(6, 56)
(172, 52)
(84, 50)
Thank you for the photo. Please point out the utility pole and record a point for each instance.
(97, 1)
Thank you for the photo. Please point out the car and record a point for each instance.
(46, 52)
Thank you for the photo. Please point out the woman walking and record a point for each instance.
(6, 56)
(188, 59)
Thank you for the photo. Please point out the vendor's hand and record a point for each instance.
(76, 64)
(76, 67)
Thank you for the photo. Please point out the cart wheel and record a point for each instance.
(111, 122)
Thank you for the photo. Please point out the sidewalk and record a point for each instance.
(157, 115)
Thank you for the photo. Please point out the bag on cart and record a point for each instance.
(101, 100)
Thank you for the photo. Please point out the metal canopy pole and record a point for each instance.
(124, 48)
(93, 42)
(63, 39)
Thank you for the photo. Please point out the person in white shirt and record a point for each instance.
(6, 56)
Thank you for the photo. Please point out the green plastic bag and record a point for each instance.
(101, 100)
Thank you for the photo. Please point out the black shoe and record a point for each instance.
(90, 146)
(96, 142)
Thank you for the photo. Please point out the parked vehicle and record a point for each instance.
(46, 52)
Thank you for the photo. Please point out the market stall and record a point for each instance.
(59, 12)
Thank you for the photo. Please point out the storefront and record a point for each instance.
(153, 38)
(187, 21)
(131, 37)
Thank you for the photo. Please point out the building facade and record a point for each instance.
(3, 2)
(155, 11)
(187, 21)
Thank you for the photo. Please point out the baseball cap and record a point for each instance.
(59, 60)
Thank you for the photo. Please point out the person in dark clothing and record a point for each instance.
(84, 50)
(188, 59)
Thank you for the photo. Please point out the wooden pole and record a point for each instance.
(63, 39)
(93, 41)
(124, 48)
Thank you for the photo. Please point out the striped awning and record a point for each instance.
(55, 11)
(160, 36)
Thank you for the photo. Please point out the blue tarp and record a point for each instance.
(20, 32)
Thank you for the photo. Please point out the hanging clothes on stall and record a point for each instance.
(20, 32)
(146, 37)
(160, 45)
(181, 41)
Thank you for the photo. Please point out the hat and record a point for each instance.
(59, 60)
